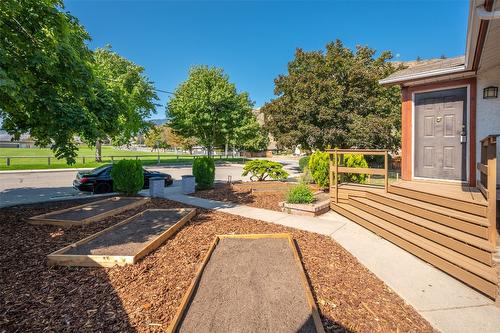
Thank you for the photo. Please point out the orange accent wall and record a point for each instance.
(407, 125)
(406, 134)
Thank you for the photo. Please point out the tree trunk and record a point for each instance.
(98, 151)
(226, 148)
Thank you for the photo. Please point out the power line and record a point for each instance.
(164, 91)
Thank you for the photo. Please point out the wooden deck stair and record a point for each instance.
(449, 232)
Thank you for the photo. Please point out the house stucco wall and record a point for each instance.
(488, 111)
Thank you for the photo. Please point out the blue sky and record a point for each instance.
(254, 40)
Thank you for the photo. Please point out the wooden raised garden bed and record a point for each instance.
(249, 283)
(126, 242)
(89, 212)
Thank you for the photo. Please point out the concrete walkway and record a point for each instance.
(446, 303)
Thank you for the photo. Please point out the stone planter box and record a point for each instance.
(320, 206)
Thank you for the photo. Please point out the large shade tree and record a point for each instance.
(333, 99)
(124, 98)
(54, 88)
(208, 107)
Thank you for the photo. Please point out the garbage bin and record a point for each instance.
(188, 184)
(156, 187)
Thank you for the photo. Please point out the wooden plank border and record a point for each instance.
(186, 299)
(60, 258)
(45, 219)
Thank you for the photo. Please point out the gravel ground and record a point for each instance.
(144, 297)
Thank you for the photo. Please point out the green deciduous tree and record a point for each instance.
(333, 99)
(45, 70)
(124, 98)
(54, 88)
(208, 107)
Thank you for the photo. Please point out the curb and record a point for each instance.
(60, 199)
(45, 170)
(173, 165)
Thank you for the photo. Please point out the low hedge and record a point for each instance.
(204, 172)
(128, 177)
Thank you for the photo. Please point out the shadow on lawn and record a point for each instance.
(35, 297)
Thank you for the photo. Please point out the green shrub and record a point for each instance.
(204, 172)
(261, 169)
(319, 166)
(354, 161)
(303, 162)
(128, 177)
(306, 177)
(300, 194)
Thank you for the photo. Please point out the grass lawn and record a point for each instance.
(38, 158)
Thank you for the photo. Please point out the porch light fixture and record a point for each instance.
(490, 92)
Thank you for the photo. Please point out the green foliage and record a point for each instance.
(300, 194)
(53, 87)
(354, 161)
(204, 172)
(128, 176)
(124, 97)
(208, 107)
(319, 166)
(306, 177)
(261, 169)
(303, 162)
(333, 98)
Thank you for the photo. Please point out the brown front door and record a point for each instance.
(440, 119)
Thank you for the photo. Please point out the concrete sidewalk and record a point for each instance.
(449, 305)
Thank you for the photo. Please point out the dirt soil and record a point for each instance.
(130, 238)
(145, 297)
(256, 281)
(100, 207)
(242, 194)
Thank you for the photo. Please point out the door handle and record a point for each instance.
(438, 119)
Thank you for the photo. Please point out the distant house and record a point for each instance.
(7, 141)
(449, 105)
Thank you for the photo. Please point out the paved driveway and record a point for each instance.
(39, 186)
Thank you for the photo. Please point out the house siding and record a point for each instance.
(488, 111)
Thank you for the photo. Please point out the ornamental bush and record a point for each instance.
(300, 194)
(303, 162)
(319, 166)
(354, 161)
(128, 177)
(204, 172)
(261, 169)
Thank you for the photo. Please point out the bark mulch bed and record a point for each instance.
(144, 297)
(242, 194)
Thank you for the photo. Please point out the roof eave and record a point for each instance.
(422, 75)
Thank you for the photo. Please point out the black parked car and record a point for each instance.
(99, 180)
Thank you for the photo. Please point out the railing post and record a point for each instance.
(48, 160)
(83, 159)
(8, 161)
(492, 190)
(335, 178)
(386, 171)
(330, 173)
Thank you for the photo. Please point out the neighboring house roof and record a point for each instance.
(425, 68)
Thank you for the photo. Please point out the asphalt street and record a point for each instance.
(38, 186)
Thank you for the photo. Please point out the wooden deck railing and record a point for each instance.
(337, 167)
(487, 182)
